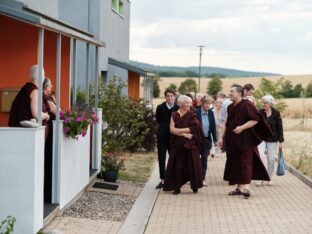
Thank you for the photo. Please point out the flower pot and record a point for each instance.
(110, 176)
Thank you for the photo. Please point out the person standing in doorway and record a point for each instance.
(207, 120)
(163, 116)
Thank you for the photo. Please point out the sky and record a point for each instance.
(255, 35)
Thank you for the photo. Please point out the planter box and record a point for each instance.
(21, 177)
(71, 167)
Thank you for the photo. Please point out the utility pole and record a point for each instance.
(199, 68)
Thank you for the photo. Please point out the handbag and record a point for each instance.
(281, 164)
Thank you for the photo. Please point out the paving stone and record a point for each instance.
(285, 207)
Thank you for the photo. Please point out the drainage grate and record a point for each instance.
(105, 186)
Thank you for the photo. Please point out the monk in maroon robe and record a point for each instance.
(241, 138)
(187, 139)
(25, 104)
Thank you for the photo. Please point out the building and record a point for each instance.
(74, 54)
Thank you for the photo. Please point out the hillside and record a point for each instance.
(204, 70)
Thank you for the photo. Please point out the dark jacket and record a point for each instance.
(276, 124)
(163, 116)
(212, 123)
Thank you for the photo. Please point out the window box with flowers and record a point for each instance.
(112, 163)
(77, 121)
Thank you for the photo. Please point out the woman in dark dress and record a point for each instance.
(187, 139)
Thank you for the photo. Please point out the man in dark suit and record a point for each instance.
(163, 116)
(206, 117)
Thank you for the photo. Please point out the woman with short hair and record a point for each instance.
(187, 139)
(271, 144)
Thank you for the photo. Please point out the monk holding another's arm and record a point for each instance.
(187, 138)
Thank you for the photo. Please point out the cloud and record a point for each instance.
(248, 33)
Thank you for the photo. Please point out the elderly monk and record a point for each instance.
(25, 104)
(241, 136)
(187, 139)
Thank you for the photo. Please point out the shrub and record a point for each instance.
(126, 128)
(188, 85)
(172, 86)
(149, 142)
(273, 88)
(214, 86)
(7, 225)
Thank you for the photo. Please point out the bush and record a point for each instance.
(126, 127)
(308, 92)
(7, 225)
(172, 86)
(273, 88)
(188, 85)
(214, 86)
(149, 142)
(156, 89)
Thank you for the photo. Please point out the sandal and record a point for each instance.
(235, 192)
(246, 193)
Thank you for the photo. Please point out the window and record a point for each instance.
(118, 6)
(121, 8)
(115, 5)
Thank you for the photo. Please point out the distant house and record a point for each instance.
(76, 41)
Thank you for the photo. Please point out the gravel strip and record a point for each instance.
(100, 206)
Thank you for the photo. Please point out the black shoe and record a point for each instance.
(246, 193)
(235, 192)
(176, 192)
(195, 190)
(159, 186)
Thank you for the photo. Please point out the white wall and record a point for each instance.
(74, 159)
(21, 177)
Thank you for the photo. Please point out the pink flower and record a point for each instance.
(65, 130)
(67, 120)
(62, 114)
(77, 119)
(84, 133)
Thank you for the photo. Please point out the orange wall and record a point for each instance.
(18, 46)
(133, 85)
(18, 51)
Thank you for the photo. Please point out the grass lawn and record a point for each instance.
(139, 166)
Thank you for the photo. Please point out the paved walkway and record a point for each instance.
(285, 207)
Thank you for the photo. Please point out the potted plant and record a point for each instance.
(112, 164)
(77, 121)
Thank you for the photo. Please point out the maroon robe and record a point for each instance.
(184, 161)
(243, 162)
(20, 109)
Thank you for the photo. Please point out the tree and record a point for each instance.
(214, 86)
(273, 88)
(308, 92)
(188, 85)
(214, 75)
(287, 89)
(298, 91)
(172, 86)
(156, 89)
